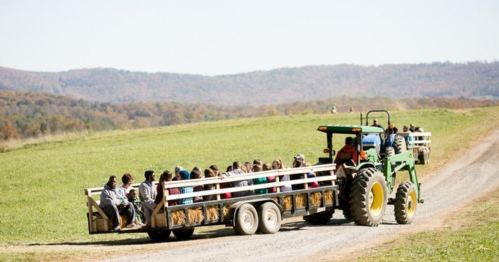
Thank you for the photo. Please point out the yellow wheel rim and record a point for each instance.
(411, 204)
(376, 199)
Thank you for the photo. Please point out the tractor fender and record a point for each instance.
(362, 166)
(256, 203)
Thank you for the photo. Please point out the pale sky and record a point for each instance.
(229, 37)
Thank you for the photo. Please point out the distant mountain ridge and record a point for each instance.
(470, 80)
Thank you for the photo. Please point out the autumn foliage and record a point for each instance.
(35, 114)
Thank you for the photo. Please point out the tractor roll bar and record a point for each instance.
(375, 111)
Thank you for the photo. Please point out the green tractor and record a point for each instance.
(366, 177)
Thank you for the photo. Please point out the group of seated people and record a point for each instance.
(349, 152)
(139, 206)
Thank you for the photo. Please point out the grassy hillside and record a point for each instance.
(42, 184)
(284, 85)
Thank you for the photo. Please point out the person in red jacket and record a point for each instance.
(347, 153)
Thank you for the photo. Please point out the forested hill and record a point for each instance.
(469, 80)
(34, 114)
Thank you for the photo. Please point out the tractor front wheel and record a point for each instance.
(406, 203)
(369, 197)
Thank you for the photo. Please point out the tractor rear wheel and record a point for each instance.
(389, 151)
(406, 203)
(369, 197)
(344, 198)
(399, 144)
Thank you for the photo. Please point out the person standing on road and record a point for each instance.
(147, 193)
(114, 206)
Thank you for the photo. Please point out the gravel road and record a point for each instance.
(467, 178)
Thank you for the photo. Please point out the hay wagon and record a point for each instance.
(419, 143)
(247, 215)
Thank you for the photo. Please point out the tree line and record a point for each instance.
(34, 114)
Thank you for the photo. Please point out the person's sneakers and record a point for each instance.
(131, 225)
(118, 228)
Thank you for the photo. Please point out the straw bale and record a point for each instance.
(301, 200)
(226, 208)
(315, 198)
(213, 212)
(329, 196)
(178, 217)
(196, 215)
(288, 203)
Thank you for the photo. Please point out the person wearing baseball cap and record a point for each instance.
(300, 157)
(298, 162)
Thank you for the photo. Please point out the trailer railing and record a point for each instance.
(324, 175)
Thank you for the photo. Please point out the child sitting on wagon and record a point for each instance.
(137, 203)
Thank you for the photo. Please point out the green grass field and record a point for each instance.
(42, 184)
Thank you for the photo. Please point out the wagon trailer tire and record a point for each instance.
(369, 197)
(182, 234)
(405, 203)
(159, 236)
(246, 220)
(269, 217)
(320, 218)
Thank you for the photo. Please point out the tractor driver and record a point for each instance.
(347, 154)
(376, 123)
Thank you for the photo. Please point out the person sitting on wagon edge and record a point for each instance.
(114, 206)
(147, 193)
